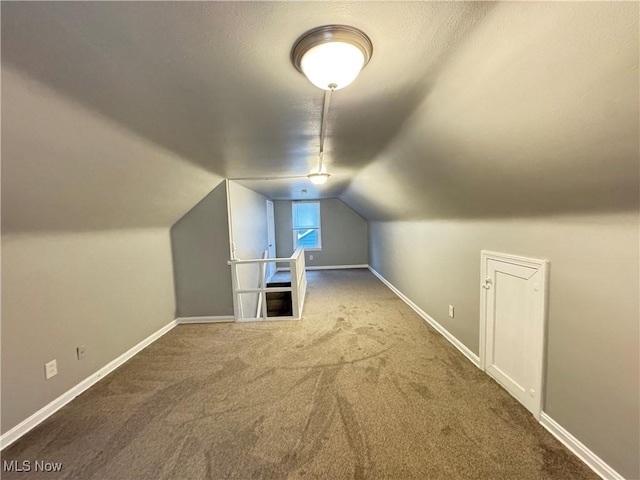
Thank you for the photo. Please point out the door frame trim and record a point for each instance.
(275, 252)
(543, 266)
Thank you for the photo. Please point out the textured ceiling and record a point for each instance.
(466, 109)
(536, 113)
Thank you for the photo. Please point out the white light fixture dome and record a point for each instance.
(318, 176)
(330, 64)
(332, 56)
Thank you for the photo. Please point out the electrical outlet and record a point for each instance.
(50, 369)
(451, 313)
(81, 351)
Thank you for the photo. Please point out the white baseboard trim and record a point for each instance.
(577, 447)
(326, 267)
(443, 331)
(45, 412)
(336, 267)
(219, 319)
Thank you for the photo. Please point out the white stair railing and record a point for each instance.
(298, 286)
(262, 306)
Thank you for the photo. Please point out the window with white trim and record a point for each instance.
(305, 219)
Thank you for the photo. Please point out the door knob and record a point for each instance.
(487, 283)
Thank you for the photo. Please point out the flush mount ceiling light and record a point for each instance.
(319, 176)
(331, 57)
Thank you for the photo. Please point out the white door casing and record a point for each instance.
(271, 240)
(513, 307)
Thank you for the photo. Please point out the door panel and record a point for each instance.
(514, 326)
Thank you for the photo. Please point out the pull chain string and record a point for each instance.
(323, 123)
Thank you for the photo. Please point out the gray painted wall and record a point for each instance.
(344, 234)
(106, 290)
(200, 247)
(86, 252)
(592, 375)
(249, 233)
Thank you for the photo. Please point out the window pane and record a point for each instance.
(307, 238)
(306, 215)
(306, 225)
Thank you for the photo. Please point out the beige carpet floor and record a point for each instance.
(360, 388)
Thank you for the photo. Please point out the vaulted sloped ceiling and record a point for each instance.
(65, 168)
(120, 114)
(535, 113)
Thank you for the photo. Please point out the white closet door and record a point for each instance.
(514, 307)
